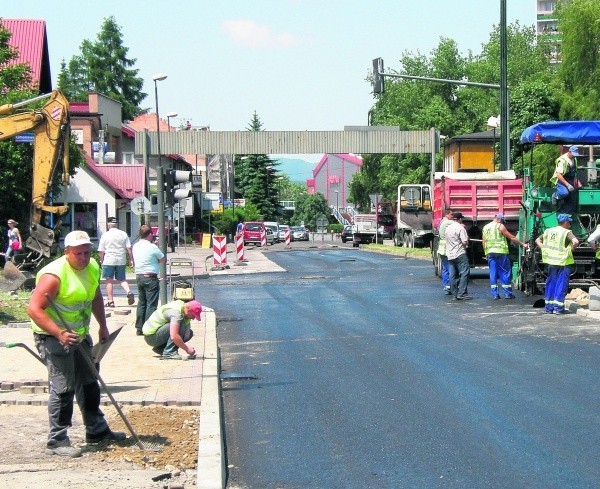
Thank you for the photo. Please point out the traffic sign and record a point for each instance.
(26, 137)
(140, 205)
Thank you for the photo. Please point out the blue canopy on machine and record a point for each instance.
(563, 132)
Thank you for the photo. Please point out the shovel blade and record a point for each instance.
(11, 278)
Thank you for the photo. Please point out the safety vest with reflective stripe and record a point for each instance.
(75, 294)
(598, 250)
(495, 241)
(160, 317)
(442, 242)
(556, 249)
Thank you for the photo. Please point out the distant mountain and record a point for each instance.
(298, 171)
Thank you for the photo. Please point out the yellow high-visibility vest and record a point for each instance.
(495, 241)
(556, 249)
(75, 295)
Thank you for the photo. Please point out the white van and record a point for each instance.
(274, 226)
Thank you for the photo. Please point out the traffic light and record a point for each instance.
(173, 178)
(378, 80)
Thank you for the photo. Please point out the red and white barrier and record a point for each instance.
(288, 238)
(219, 251)
(239, 247)
(263, 237)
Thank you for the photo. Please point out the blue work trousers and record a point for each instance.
(445, 272)
(459, 275)
(562, 193)
(557, 286)
(500, 269)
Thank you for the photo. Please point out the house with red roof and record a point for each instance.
(30, 40)
(113, 175)
(332, 176)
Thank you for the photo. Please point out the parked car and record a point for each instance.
(252, 232)
(271, 239)
(299, 233)
(347, 233)
(282, 229)
(273, 226)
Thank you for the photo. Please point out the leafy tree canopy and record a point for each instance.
(103, 66)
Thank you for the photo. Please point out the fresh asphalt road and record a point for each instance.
(369, 377)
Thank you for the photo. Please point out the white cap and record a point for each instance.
(76, 238)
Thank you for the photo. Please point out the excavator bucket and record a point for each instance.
(11, 278)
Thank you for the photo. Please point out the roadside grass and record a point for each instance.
(13, 308)
(418, 253)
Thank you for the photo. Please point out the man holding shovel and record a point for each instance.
(72, 282)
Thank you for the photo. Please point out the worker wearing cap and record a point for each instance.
(564, 178)
(457, 241)
(495, 246)
(72, 282)
(557, 245)
(441, 250)
(168, 329)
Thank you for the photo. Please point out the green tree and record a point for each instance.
(453, 109)
(308, 209)
(256, 179)
(579, 72)
(103, 66)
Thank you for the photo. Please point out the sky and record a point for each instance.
(299, 64)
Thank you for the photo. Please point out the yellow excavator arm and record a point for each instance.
(51, 134)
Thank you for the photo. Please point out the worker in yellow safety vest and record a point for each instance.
(495, 247)
(557, 245)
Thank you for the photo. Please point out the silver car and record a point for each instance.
(299, 233)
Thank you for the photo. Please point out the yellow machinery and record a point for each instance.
(51, 134)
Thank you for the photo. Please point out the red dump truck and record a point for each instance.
(479, 197)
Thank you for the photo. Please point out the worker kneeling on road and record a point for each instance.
(73, 284)
(495, 246)
(557, 245)
(168, 329)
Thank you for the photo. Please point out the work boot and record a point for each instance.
(130, 299)
(63, 449)
(107, 435)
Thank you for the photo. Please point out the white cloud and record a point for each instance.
(248, 33)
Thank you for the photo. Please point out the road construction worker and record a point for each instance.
(557, 245)
(595, 236)
(457, 242)
(495, 247)
(73, 283)
(564, 178)
(168, 329)
(441, 250)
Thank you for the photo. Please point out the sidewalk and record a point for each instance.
(135, 375)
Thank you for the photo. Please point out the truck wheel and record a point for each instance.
(437, 264)
(354, 245)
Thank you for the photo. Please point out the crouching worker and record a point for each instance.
(168, 329)
(73, 283)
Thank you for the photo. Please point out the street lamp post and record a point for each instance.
(160, 198)
(337, 200)
(170, 115)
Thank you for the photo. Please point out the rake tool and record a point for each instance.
(23, 345)
(154, 447)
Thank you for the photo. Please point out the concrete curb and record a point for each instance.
(211, 461)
